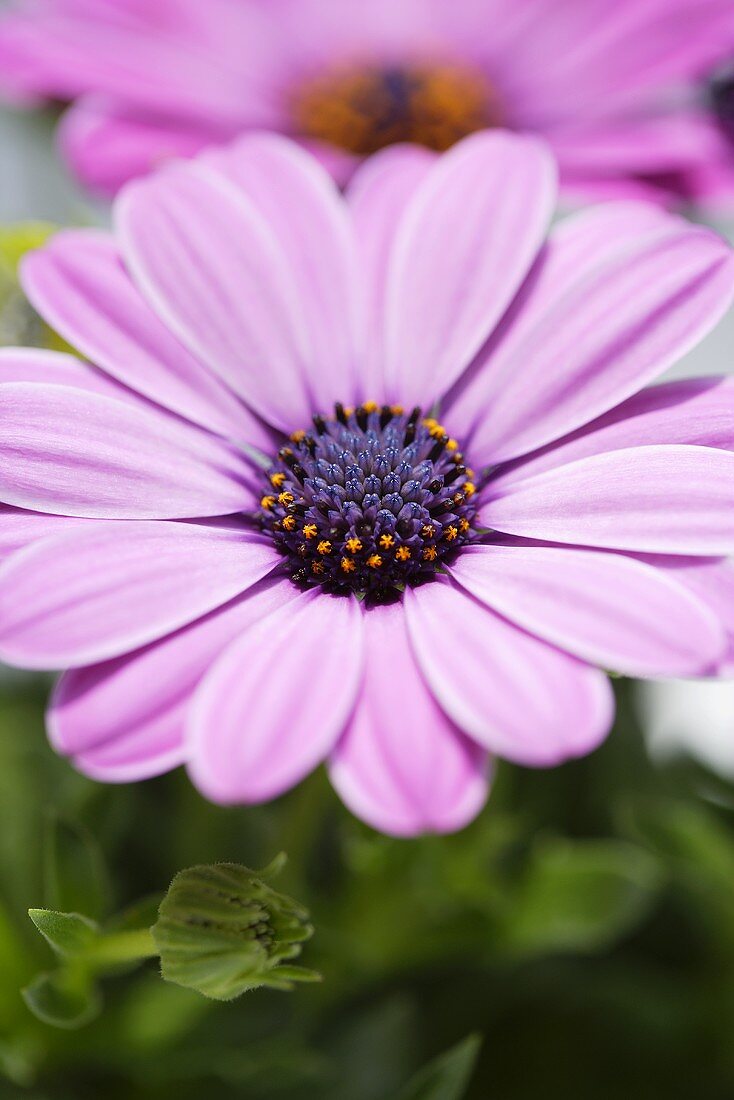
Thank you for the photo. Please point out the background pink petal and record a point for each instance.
(108, 142)
(402, 765)
(273, 705)
(519, 697)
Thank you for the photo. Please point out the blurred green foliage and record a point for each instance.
(583, 926)
(19, 324)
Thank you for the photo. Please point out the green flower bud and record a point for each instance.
(222, 930)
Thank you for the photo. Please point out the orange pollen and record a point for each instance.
(430, 553)
(324, 547)
(374, 561)
(403, 554)
(289, 522)
(365, 108)
(354, 545)
(348, 565)
(386, 541)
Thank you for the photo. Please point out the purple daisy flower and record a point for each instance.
(368, 480)
(633, 95)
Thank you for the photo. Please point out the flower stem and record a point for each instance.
(122, 947)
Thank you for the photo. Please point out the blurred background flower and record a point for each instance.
(635, 97)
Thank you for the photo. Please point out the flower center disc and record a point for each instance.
(369, 501)
(721, 97)
(365, 109)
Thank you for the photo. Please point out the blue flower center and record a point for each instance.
(369, 501)
(721, 98)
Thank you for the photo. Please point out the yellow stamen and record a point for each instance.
(324, 547)
(374, 561)
(354, 545)
(348, 565)
(267, 502)
(451, 533)
(397, 410)
(299, 436)
(428, 530)
(310, 531)
(286, 498)
(403, 553)
(318, 567)
(469, 488)
(289, 522)
(430, 553)
(276, 480)
(464, 526)
(370, 406)
(386, 541)
(452, 445)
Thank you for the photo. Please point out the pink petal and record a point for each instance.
(464, 246)
(522, 699)
(63, 57)
(667, 500)
(607, 609)
(19, 529)
(301, 205)
(107, 143)
(711, 580)
(277, 699)
(402, 765)
(124, 720)
(88, 595)
(378, 196)
(579, 347)
(696, 411)
(79, 285)
(82, 454)
(213, 270)
(57, 368)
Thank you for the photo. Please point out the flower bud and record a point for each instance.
(221, 930)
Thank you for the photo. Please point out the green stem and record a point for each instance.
(122, 947)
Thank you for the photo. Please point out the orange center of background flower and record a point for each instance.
(365, 109)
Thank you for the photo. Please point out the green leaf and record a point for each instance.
(580, 896)
(221, 930)
(75, 879)
(63, 998)
(69, 934)
(446, 1077)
